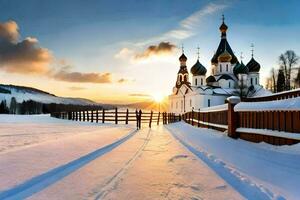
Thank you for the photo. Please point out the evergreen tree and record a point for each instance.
(3, 107)
(280, 81)
(13, 106)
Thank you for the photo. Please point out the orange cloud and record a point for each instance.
(24, 56)
(64, 75)
(160, 49)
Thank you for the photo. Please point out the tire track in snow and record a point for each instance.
(42, 181)
(236, 179)
(113, 182)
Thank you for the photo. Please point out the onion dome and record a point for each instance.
(182, 58)
(210, 79)
(198, 69)
(253, 65)
(240, 69)
(224, 57)
(223, 28)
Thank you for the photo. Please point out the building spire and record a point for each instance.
(252, 49)
(182, 48)
(223, 28)
(241, 57)
(223, 18)
(198, 52)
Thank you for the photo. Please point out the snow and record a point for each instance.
(257, 171)
(25, 95)
(282, 134)
(211, 124)
(292, 104)
(81, 160)
(222, 107)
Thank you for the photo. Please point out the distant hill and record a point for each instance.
(147, 105)
(27, 100)
(22, 93)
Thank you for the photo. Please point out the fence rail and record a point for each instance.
(275, 126)
(117, 116)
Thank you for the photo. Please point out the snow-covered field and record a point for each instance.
(48, 158)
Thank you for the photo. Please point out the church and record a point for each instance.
(229, 77)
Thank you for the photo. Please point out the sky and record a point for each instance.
(118, 51)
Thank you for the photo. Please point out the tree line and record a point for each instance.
(33, 107)
(287, 75)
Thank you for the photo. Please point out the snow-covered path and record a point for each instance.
(257, 171)
(114, 162)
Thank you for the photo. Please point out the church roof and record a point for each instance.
(224, 45)
(198, 69)
(253, 65)
(240, 69)
(183, 58)
(225, 56)
(210, 79)
(226, 77)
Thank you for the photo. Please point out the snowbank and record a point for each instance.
(277, 105)
(222, 107)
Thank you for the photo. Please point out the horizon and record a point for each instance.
(109, 52)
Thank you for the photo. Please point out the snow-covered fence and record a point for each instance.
(275, 122)
(215, 117)
(276, 96)
(119, 116)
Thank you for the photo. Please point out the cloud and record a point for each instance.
(162, 48)
(21, 56)
(188, 26)
(76, 88)
(79, 77)
(124, 53)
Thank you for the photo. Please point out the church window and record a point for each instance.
(220, 68)
(251, 81)
(180, 78)
(229, 84)
(185, 78)
(227, 67)
(195, 81)
(181, 106)
(256, 82)
(201, 81)
(208, 102)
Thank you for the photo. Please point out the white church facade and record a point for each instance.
(228, 77)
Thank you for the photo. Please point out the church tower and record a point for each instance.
(199, 72)
(224, 59)
(183, 74)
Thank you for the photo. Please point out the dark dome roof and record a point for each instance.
(198, 69)
(223, 27)
(210, 79)
(225, 76)
(182, 57)
(253, 65)
(240, 69)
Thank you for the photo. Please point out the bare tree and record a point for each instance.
(297, 79)
(287, 61)
(273, 77)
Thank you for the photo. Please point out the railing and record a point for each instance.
(276, 96)
(275, 122)
(119, 116)
(214, 117)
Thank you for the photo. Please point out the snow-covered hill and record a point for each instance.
(26, 93)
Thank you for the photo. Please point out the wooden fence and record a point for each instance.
(278, 127)
(277, 96)
(119, 116)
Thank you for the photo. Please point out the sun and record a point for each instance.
(158, 97)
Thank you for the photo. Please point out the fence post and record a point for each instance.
(198, 116)
(97, 116)
(192, 117)
(158, 118)
(150, 119)
(137, 119)
(92, 117)
(116, 116)
(232, 116)
(103, 116)
(140, 118)
(83, 115)
(127, 113)
(79, 115)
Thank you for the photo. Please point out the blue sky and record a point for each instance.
(89, 36)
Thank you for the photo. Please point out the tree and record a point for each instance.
(3, 107)
(297, 79)
(287, 61)
(274, 85)
(280, 81)
(13, 106)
